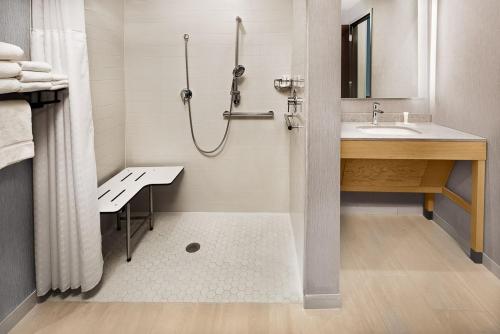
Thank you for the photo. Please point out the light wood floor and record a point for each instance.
(399, 275)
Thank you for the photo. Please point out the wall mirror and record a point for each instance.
(384, 48)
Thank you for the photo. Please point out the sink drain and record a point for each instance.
(193, 247)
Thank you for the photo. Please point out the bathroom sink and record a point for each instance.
(388, 130)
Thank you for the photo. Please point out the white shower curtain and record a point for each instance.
(67, 229)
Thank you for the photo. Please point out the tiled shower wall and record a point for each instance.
(104, 24)
(252, 174)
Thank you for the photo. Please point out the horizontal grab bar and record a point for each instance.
(269, 114)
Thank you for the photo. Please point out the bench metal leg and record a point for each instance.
(129, 256)
(151, 211)
(118, 223)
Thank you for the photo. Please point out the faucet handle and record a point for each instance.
(376, 111)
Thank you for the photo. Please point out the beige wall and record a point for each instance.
(252, 174)
(468, 99)
(322, 232)
(104, 23)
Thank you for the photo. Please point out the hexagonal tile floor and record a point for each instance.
(244, 257)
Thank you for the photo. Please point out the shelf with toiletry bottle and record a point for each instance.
(286, 82)
(292, 84)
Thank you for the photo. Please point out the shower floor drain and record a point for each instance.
(193, 247)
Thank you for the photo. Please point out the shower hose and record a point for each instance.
(187, 95)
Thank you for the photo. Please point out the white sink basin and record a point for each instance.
(388, 130)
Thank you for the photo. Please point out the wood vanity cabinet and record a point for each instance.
(417, 166)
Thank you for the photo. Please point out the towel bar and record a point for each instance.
(269, 114)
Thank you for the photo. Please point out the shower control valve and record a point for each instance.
(186, 95)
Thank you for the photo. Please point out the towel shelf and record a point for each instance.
(269, 114)
(35, 99)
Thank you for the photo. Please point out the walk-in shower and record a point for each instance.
(187, 94)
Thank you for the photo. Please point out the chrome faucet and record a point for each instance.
(376, 111)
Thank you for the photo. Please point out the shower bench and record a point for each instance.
(115, 195)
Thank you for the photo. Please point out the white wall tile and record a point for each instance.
(252, 174)
(104, 23)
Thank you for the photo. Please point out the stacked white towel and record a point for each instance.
(21, 76)
(16, 135)
(9, 68)
(9, 86)
(10, 52)
(32, 76)
(35, 66)
(34, 81)
(60, 81)
(26, 87)
(36, 76)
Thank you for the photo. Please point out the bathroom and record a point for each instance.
(303, 219)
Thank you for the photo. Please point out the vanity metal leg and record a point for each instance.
(129, 256)
(151, 211)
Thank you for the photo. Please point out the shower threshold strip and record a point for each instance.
(115, 195)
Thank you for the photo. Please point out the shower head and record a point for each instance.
(238, 19)
(238, 71)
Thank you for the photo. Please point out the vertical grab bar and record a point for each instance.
(236, 51)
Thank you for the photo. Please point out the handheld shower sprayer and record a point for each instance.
(235, 93)
(238, 71)
(187, 94)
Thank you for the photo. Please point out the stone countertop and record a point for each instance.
(428, 131)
